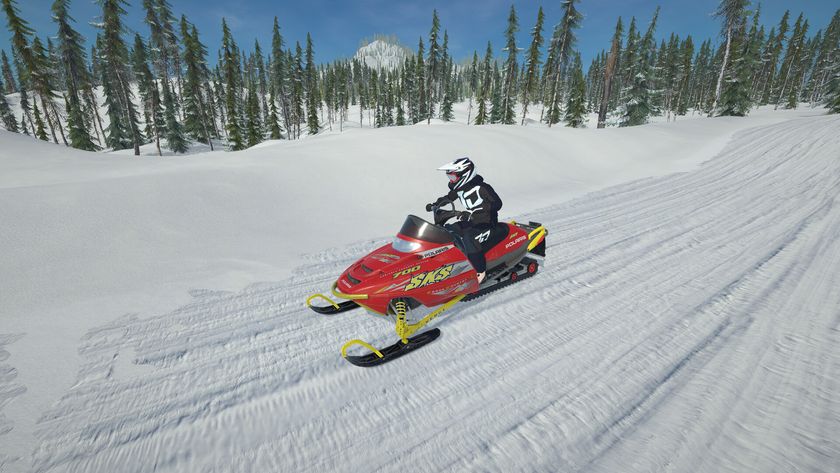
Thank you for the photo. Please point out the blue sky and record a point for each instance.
(338, 26)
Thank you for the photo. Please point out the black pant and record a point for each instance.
(473, 239)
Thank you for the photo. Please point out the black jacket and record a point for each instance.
(481, 202)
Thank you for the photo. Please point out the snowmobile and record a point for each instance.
(424, 266)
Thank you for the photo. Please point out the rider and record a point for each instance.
(482, 206)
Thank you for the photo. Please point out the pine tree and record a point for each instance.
(43, 77)
(33, 67)
(312, 97)
(481, 116)
(298, 80)
(231, 67)
(576, 105)
(420, 77)
(609, 72)
(472, 84)
(197, 117)
(732, 13)
(562, 43)
(496, 112)
(170, 44)
(6, 114)
(149, 94)
(8, 76)
(509, 93)
(433, 64)
(175, 139)
(639, 107)
(280, 75)
(273, 124)
(532, 65)
(253, 130)
(124, 130)
(832, 96)
(790, 64)
(40, 133)
(77, 80)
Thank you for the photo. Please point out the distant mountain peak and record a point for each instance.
(382, 52)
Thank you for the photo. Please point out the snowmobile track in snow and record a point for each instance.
(683, 323)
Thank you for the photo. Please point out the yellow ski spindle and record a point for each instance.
(408, 330)
(362, 343)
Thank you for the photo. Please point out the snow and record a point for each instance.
(685, 318)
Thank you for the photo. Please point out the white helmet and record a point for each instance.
(459, 172)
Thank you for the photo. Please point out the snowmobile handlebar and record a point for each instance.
(442, 215)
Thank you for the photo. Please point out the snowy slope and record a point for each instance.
(681, 323)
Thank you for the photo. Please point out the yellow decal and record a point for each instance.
(424, 279)
(406, 271)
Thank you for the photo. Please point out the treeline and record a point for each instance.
(161, 88)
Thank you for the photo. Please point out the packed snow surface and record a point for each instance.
(686, 317)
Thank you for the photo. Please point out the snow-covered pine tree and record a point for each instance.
(683, 78)
(735, 98)
(40, 133)
(508, 94)
(609, 73)
(170, 44)
(298, 80)
(563, 41)
(481, 116)
(149, 94)
(253, 116)
(44, 83)
(175, 139)
(828, 60)
(197, 118)
(273, 123)
(124, 130)
(232, 82)
(472, 84)
(6, 115)
(433, 65)
(281, 75)
(532, 65)
(496, 113)
(638, 107)
(791, 67)
(420, 80)
(77, 80)
(313, 100)
(32, 66)
(832, 95)
(8, 76)
(732, 13)
(576, 105)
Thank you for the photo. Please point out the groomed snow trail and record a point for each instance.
(683, 323)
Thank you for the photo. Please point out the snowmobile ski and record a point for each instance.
(334, 308)
(379, 357)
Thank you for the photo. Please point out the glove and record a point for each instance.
(429, 207)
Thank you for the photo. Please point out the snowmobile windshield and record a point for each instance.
(419, 229)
